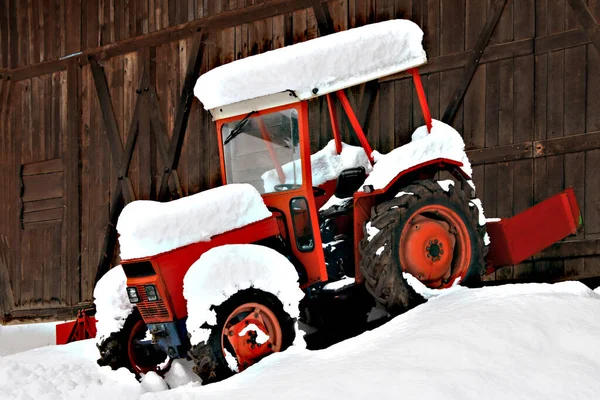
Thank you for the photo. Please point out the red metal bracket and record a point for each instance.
(334, 124)
(515, 239)
(422, 98)
(355, 124)
(84, 327)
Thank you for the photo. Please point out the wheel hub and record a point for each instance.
(426, 250)
(255, 336)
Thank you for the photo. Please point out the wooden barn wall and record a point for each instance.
(530, 119)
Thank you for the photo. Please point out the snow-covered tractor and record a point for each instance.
(222, 276)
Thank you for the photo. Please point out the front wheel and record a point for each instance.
(429, 232)
(250, 325)
(130, 348)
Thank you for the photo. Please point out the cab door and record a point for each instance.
(270, 149)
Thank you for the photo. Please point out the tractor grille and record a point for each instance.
(151, 309)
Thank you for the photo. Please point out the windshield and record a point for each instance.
(264, 151)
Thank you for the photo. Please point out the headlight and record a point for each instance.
(132, 293)
(151, 293)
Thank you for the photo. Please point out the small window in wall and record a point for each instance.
(42, 190)
(305, 240)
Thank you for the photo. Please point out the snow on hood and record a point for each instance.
(112, 304)
(147, 228)
(326, 165)
(327, 63)
(225, 270)
(528, 341)
(443, 142)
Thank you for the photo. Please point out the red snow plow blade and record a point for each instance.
(84, 327)
(515, 239)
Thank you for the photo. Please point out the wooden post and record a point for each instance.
(324, 21)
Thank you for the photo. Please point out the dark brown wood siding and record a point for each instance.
(530, 115)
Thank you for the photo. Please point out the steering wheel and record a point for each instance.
(286, 186)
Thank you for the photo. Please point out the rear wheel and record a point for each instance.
(130, 348)
(250, 325)
(430, 233)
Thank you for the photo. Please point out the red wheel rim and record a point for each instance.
(435, 246)
(135, 359)
(241, 332)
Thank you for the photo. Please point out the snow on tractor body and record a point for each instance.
(350, 221)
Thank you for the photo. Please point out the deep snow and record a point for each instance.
(112, 304)
(225, 270)
(529, 341)
(149, 227)
(327, 63)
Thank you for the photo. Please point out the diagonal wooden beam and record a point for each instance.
(324, 22)
(123, 191)
(162, 140)
(366, 103)
(182, 112)
(473, 61)
(585, 16)
(108, 113)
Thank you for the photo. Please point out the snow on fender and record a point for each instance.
(223, 271)
(112, 304)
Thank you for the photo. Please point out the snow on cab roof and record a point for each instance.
(318, 66)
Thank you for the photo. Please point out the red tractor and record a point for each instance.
(379, 222)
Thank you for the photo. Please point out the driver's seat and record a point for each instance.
(347, 184)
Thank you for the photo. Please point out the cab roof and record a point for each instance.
(312, 68)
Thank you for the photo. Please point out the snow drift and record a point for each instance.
(327, 63)
(530, 341)
(112, 304)
(225, 270)
(442, 142)
(147, 228)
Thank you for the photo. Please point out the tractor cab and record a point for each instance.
(265, 140)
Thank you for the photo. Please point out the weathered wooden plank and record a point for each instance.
(183, 110)
(575, 177)
(567, 144)
(571, 248)
(210, 23)
(473, 60)
(43, 167)
(45, 204)
(592, 193)
(588, 21)
(4, 34)
(53, 214)
(7, 298)
(46, 186)
(108, 114)
(323, 18)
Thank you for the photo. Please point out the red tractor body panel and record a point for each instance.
(515, 239)
(172, 266)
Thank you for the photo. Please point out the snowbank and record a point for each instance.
(326, 165)
(64, 372)
(223, 271)
(529, 341)
(533, 341)
(328, 63)
(443, 142)
(112, 304)
(148, 227)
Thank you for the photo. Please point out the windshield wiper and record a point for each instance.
(238, 128)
